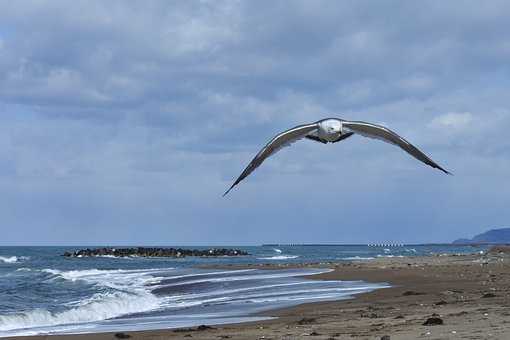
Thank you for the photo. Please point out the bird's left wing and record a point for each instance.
(388, 136)
(281, 140)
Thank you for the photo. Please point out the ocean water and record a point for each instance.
(42, 292)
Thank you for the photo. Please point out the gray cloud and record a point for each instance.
(119, 116)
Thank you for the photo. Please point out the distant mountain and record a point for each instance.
(494, 236)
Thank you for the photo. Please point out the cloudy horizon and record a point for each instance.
(125, 122)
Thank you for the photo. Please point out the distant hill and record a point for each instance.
(494, 236)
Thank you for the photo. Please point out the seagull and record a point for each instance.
(333, 130)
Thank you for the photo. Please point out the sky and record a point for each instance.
(124, 122)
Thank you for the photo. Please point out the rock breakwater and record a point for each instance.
(154, 252)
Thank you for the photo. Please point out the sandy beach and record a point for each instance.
(467, 295)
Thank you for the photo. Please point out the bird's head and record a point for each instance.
(332, 126)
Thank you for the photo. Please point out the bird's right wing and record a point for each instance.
(388, 136)
(281, 140)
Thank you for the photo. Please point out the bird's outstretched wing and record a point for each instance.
(283, 139)
(388, 136)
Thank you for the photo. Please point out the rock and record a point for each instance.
(499, 250)
(371, 315)
(410, 292)
(155, 252)
(385, 337)
(122, 336)
(399, 317)
(182, 330)
(199, 328)
(488, 295)
(440, 303)
(433, 321)
(304, 321)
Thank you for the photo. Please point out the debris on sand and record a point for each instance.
(410, 292)
(305, 321)
(433, 321)
(488, 295)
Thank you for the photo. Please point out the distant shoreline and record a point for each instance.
(378, 244)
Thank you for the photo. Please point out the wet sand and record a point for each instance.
(469, 294)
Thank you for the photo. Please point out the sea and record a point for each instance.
(42, 292)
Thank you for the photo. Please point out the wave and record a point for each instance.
(13, 259)
(99, 307)
(279, 251)
(175, 298)
(267, 297)
(390, 256)
(127, 292)
(23, 269)
(358, 258)
(250, 277)
(278, 257)
(116, 279)
(258, 292)
(241, 290)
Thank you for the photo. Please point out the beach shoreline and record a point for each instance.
(466, 292)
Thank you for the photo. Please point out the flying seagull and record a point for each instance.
(332, 130)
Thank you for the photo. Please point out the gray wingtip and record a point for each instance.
(226, 192)
(445, 171)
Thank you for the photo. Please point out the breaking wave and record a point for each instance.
(120, 299)
(279, 257)
(99, 307)
(358, 258)
(13, 259)
(127, 293)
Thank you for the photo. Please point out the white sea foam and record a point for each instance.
(257, 293)
(258, 276)
(100, 307)
(238, 290)
(279, 251)
(270, 296)
(117, 279)
(359, 258)
(279, 257)
(13, 259)
(209, 273)
(23, 269)
(129, 294)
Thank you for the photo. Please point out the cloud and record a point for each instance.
(453, 120)
(116, 115)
